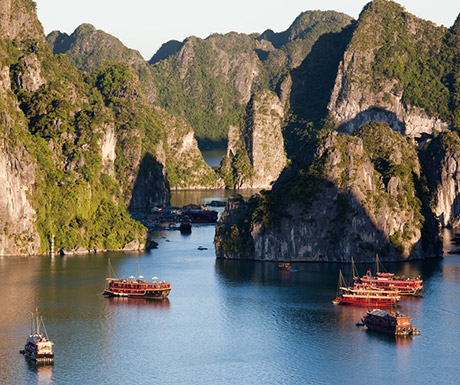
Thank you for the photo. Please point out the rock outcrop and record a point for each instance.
(210, 81)
(366, 91)
(441, 165)
(187, 169)
(28, 73)
(17, 216)
(363, 203)
(88, 48)
(261, 141)
(18, 20)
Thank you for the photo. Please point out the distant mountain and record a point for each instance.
(166, 50)
(209, 81)
(88, 48)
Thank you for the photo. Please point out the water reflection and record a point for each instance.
(39, 373)
(388, 338)
(213, 157)
(138, 302)
(184, 197)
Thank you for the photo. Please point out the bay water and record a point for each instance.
(225, 322)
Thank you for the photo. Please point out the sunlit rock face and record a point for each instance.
(364, 91)
(18, 20)
(17, 175)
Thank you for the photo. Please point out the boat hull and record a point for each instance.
(365, 302)
(156, 294)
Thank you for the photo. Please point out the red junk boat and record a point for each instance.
(136, 287)
(388, 281)
(361, 295)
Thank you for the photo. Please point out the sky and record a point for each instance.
(145, 25)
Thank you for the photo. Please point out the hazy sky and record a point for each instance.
(146, 24)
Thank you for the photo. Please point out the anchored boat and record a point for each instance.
(395, 323)
(388, 281)
(360, 295)
(38, 346)
(136, 287)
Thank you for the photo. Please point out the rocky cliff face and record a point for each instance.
(372, 82)
(210, 81)
(261, 140)
(89, 48)
(18, 234)
(364, 203)
(185, 165)
(17, 216)
(18, 20)
(441, 165)
(28, 73)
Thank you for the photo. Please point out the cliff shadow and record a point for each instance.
(312, 85)
(150, 186)
(373, 114)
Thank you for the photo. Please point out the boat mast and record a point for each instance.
(378, 265)
(341, 283)
(35, 322)
(44, 327)
(354, 271)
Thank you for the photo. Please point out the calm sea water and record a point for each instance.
(213, 157)
(226, 322)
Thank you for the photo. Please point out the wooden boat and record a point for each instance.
(38, 347)
(360, 295)
(136, 287)
(284, 266)
(388, 281)
(393, 322)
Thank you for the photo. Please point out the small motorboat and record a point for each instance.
(202, 248)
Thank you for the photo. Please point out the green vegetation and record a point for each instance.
(415, 57)
(72, 197)
(198, 89)
(234, 238)
(237, 170)
(207, 82)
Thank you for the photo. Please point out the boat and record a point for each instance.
(361, 295)
(390, 322)
(453, 251)
(185, 225)
(136, 287)
(202, 248)
(388, 281)
(38, 347)
(284, 266)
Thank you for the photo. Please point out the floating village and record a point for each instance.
(177, 218)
